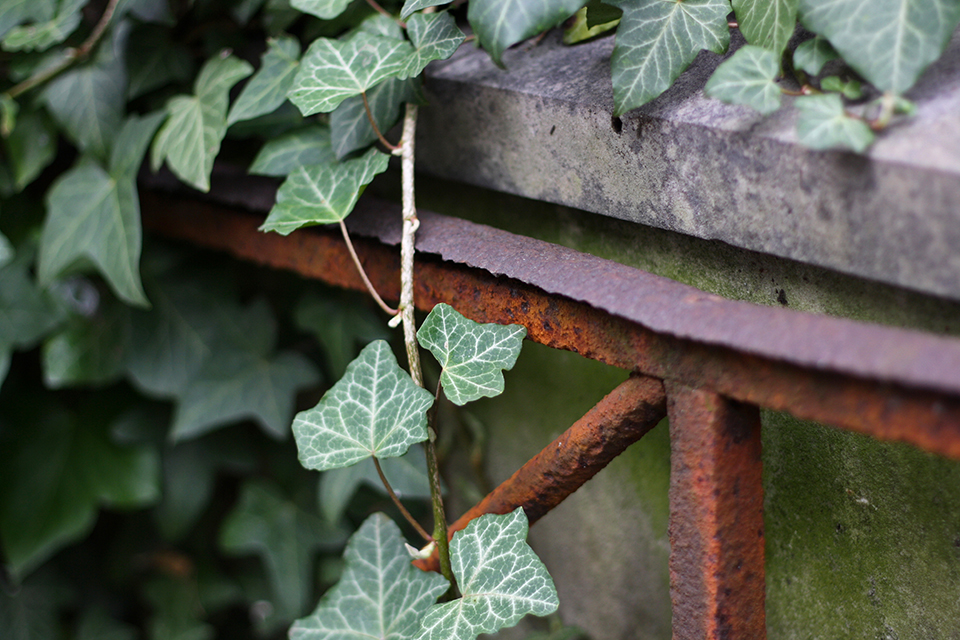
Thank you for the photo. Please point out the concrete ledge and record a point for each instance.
(545, 130)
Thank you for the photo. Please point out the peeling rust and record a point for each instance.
(717, 581)
(624, 416)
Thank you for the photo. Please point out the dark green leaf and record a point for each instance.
(349, 124)
(748, 78)
(599, 13)
(333, 70)
(374, 410)
(767, 23)
(323, 193)
(889, 42)
(824, 124)
(813, 54)
(850, 89)
(380, 25)
(178, 613)
(380, 595)
(285, 536)
(32, 611)
(500, 24)
(657, 40)
(26, 311)
(415, 5)
(323, 9)
(146, 10)
(31, 147)
(307, 146)
(95, 624)
(154, 60)
(43, 35)
(435, 36)
(268, 87)
(55, 471)
(131, 144)
(577, 30)
(14, 12)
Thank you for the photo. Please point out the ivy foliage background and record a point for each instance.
(148, 476)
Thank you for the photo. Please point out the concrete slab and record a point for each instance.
(544, 129)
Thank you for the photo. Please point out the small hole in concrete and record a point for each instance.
(617, 124)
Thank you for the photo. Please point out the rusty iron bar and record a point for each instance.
(621, 418)
(905, 387)
(717, 583)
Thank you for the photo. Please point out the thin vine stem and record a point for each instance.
(396, 500)
(363, 274)
(73, 55)
(373, 123)
(407, 249)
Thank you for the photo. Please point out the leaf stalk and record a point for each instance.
(363, 274)
(396, 500)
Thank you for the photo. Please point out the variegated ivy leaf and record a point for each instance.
(190, 138)
(435, 37)
(657, 40)
(813, 54)
(889, 42)
(382, 25)
(415, 5)
(748, 78)
(380, 595)
(307, 146)
(349, 124)
(333, 70)
(323, 9)
(472, 355)
(824, 124)
(374, 410)
(325, 193)
(500, 24)
(501, 579)
(269, 86)
(767, 23)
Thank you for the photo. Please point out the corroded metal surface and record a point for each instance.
(716, 517)
(888, 383)
(624, 416)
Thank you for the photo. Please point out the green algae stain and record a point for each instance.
(863, 537)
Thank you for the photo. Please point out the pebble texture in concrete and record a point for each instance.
(544, 129)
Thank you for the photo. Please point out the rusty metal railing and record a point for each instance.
(706, 362)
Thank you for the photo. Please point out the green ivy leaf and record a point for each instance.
(56, 470)
(657, 40)
(889, 42)
(158, 61)
(323, 9)
(333, 70)
(500, 24)
(43, 35)
(14, 12)
(415, 5)
(190, 138)
(380, 595)
(269, 86)
(31, 146)
(813, 54)
(579, 29)
(88, 101)
(319, 194)
(349, 125)
(500, 577)
(850, 89)
(381, 25)
(472, 355)
(767, 23)
(32, 611)
(374, 410)
(435, 36)
(599, 13)
(177, 610)
(95, 624)
(748, 78)
(824, 124)
(285, 536)
(307, 146)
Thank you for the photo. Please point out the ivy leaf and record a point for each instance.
(56, 469)
(657, 40)
(349, 125)
(747, 78)
(824, 124)
(177, 610)
(889, 42)
(324, 193)
(88, 101)
(157, 61)
(415, 5)
(599, 13)
(767, 23)
(472, 354)
(501, 579)
(306, 146)
(580, 29)
(435, 37)
(813, 54)
(190, 138)
(850, 89)
(500, 24)
(333, 70)
(43, 35)
(31, 146)
(381, 25)
(323, 9)
(380, 595)
(285, 536)
(374, 410)
(14, 12)
(269, 86)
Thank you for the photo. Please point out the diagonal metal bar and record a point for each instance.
(624, 416)
(716, 517)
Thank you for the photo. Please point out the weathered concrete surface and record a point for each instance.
(686, 163)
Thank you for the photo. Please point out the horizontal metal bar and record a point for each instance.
(891, 384)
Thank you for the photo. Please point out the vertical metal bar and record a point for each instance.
(716, 517)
